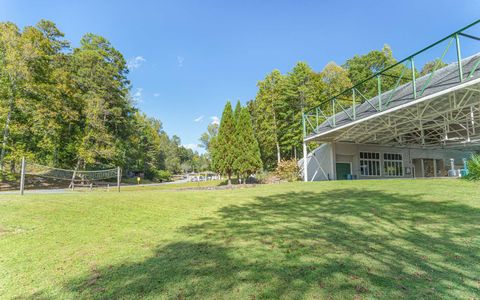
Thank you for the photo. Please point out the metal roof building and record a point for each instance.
(417, 128)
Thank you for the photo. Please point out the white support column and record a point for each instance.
(434, 168)
(334, 161)
(305, 169)
(423, 167)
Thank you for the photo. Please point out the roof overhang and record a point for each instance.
(449, 118)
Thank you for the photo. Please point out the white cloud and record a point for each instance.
(137, 96)
(180, 60)
(194, 147)
(215, 120)
(136, 62)
(199, 118)
(156, 95)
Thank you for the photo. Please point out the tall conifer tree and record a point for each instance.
(248, 161)
(238, 142)
(225, 144)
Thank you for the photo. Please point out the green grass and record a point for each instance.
(385, 239)
(177, 186)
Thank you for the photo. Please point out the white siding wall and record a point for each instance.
(351, 153)
(320, 163)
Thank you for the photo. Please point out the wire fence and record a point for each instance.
(64, 174)
(75, 177)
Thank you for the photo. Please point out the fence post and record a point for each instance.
(22, 177)
(119, 177)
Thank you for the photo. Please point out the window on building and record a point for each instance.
(369, 164)
(392, 164)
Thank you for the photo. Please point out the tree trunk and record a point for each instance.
(229, 179)
(277, 144)
(13, 167)
(278, 152)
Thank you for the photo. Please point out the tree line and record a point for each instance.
(70, 107)
(276, 111)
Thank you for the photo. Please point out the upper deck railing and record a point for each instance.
(383, 85)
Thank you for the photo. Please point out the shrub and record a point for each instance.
(473, 165)
(288, 170)
(158, 175)
(163, 175)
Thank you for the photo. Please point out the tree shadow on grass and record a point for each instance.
(342, 244)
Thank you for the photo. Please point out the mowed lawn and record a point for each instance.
(385, 239)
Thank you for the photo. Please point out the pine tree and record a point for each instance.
(237, 111)
(248, 161)
(225, 144)
(238, 142)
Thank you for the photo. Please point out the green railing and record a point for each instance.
(400, 74)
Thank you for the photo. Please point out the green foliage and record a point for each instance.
(288, 170)
(237, 111)
(206, 137)
(277, 108)
(302, 90)
(225, 152)
(265, 110)
(235, 150)
(71, 107)
(162, 175)
(473, 165)
(239, 146)
(335, 80)
(361, 67)
(248, 160)
(431, 66)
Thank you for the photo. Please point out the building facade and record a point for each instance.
(339, 161)
(421, 126)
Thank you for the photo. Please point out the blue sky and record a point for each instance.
(188, 57)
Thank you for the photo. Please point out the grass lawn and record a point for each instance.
(384, 239)
(174, 186)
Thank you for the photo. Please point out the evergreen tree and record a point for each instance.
(238, 142)
(248, 161)
(237, 111)
(225, 144)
